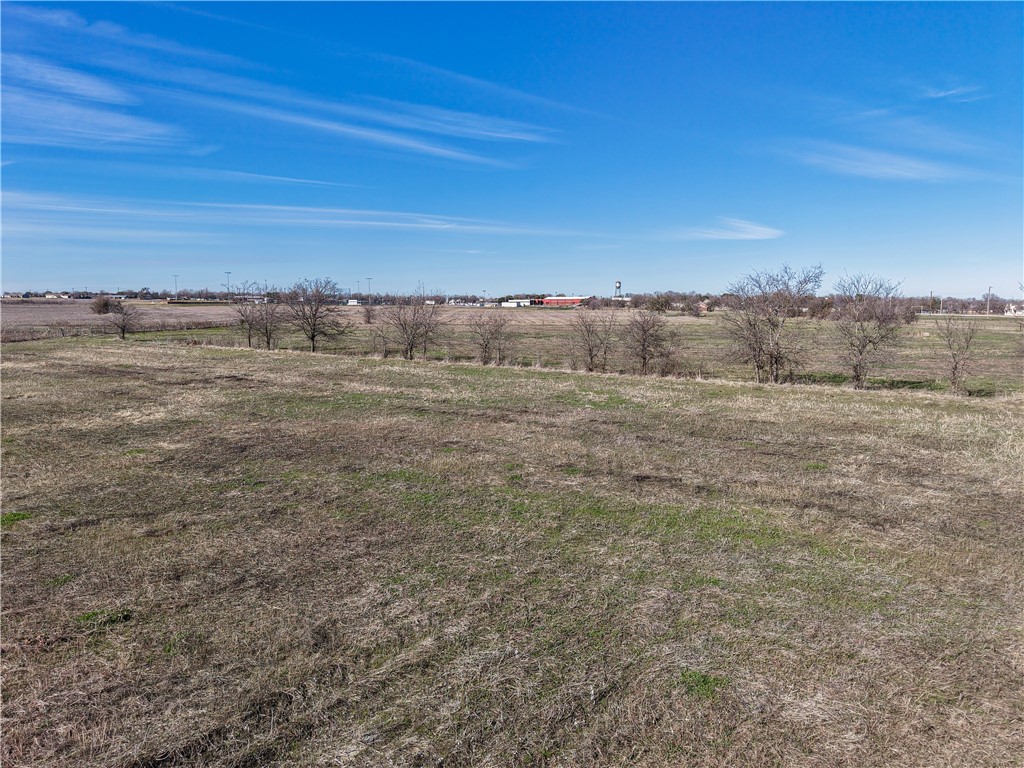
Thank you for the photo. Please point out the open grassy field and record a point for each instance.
(25, 320)
(225, 557)
(700, 346)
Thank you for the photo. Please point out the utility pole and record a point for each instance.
(369, 291)
(175, 287)
(228, 285)
(988, 301)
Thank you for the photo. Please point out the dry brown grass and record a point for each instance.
(223, 557)
(25, 320)
(542, 338)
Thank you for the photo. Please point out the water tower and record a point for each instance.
(618, 289)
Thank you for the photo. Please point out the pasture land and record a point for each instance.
(540, 337)
(24, 320)
(231, 557)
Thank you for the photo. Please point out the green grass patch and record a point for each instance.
(98, 619)
(701, 685)
(9, 518)
(59, 581)
(926, 385)
(819, 377)
(816, 466)
(696, 582)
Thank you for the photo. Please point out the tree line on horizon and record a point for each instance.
(865, 316)
(689, 302)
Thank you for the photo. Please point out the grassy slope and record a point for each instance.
(222, 557)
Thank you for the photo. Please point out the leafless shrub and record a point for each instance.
(369, 313)
(101, 305)
(958, 336)
(124, 317)
(868, 317)
(416, 324)
(262, 314)
(492, 338)
(312, 309)
(247, 312)
(645, 339)
(762, 304)
(269, 316)
(592, 338)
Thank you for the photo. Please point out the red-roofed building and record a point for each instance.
(564, 301)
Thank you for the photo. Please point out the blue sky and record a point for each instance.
(493, 148)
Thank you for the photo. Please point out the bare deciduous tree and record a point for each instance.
(645, 339)
(369, 312)
(492, 337)
(312, 309)
(416, 324)
(868, 317)
(124, 317)
(269, 315)
(593, 335)
(246, 310)
(761, 306)
(958, 336)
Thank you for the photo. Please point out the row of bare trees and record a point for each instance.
(643, 338)
(309, 306)
(868, 316)
(312, 307)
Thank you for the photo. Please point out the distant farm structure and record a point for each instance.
(564, 301)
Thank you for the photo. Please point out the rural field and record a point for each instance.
(25, 320)
(229, 557)
(700, 347)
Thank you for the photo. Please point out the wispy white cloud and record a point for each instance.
(83, 212)
(875, 164)
(375, 125)
(193, 9)
(20, 201)
(366, 134)
(894, 125)
(449, 122)
(480, 84)
(390, 114)
(44, 75)
(958, 93)
(383, 124)
(435, 72)
(52, 232)
(223, 173)
(69, 21)
(294, 215)
(729, 229)
(40, 119)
